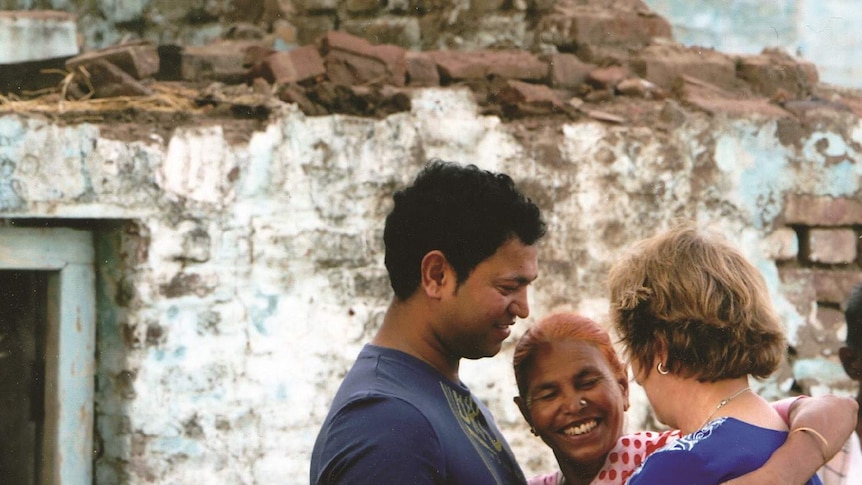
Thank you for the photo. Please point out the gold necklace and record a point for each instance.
(723, 403)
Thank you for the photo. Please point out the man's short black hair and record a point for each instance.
(465, 212)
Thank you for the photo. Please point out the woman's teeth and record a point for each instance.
(582, 428)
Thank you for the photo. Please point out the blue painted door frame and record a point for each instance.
(68, 257)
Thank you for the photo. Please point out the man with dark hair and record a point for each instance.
(846, 467)
(460, 252)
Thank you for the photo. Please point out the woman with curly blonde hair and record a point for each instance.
(696, 320)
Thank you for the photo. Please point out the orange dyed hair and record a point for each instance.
(560, 327)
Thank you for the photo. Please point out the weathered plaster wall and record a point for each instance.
(238, 281)
(821, 31)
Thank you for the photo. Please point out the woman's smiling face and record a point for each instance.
(561, 375)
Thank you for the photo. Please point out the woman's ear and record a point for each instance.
(624, 385)
(662, 354)
(435, 273)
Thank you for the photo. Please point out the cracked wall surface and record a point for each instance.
(238, 279)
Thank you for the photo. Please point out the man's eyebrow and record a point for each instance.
(520, 279)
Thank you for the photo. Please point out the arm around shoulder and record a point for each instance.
(819, 427)
(378, 440)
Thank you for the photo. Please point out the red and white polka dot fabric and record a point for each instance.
(630, 451)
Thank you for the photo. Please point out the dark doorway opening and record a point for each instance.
(23, 326)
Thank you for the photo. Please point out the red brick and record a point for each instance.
(814, 210)
(296, 65)
(140, 59)
(665, 64)
(509, 64)
(714, 100)
(532, 98)
(357, 61)
(421, 70)
(350, 69)
(607, 77)
(567, 71)
(773, 73)
(832, 246)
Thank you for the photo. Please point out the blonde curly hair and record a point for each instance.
(693, 295)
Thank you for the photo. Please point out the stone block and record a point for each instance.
(108, 80)
(183, 284)
(421, 70)
(486, 6)
(353, 60)
(566, 71)
(509, 64)
(297, 65)
(139, 59)
(832, 246)
(222, 61)
(316, 5)
(664, 65)
(771, 74)
(400, 31)
(814, 210)
(781, 245)
(363, 6)
(37, 35)
(818, 285)
(310, 28)
(572, 25)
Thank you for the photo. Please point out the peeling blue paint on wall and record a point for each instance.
(173, 445)
(839, 179)
(263, 307)
(764, 176)
(11, 134)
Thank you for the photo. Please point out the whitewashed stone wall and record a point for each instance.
(238, 281)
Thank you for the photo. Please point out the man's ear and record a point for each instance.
(435, 274)
(852, 362)
(524, 411)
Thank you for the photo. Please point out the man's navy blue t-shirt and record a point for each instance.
(396, 420)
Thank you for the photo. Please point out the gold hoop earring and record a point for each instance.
(661, 369)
